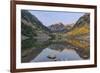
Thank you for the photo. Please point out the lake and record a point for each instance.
(49, 51)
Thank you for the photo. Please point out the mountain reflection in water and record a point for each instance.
(53, 55)
(55, 52)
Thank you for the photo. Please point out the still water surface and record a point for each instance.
(48, 51)
(58, 52)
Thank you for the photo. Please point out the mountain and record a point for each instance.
(81, 27)
(85, 19)
(33, 19)
(60, 27)
(30, 24)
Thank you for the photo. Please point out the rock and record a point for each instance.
(51, 56)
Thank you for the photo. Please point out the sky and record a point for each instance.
(52, 17)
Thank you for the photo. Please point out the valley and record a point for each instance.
(36, 37)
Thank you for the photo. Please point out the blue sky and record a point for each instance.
(51, 17)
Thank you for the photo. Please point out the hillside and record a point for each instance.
(33, 19)
(77, 31)
(85, 19)
(79, 34)
(81, 27)
(30, 24)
